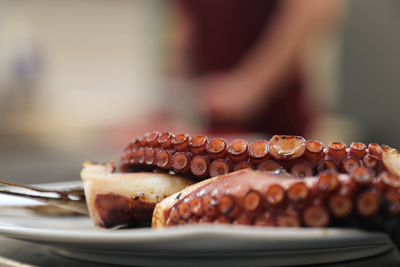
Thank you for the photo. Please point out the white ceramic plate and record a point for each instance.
(197, 245)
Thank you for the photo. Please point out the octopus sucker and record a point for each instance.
(199, 166)
(165, 140)
(174, 216)
(210, 206)
(350, 163)
(375, 150)
(368, 203)
(337, 151)
(139, 157)
(284, 147)
(140, 140)
(314, 152)
(184, 211)
(258, 151)
(326, 164)
(298, 192)
(341, 204)
(181, 162)
(164, 159)
(196, 206)
(220, 167)
(226, 204)
(251, 200)
(358, 150)
(149, 156)
(181, 142)
(327, 182)
(238, 151)
(198, 144)
(275, 194)
(301, 170)
(152, 139)
(216, 149)
(316, 215)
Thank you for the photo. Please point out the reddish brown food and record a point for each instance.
(337, 151)
(316, 215)
(198, 144)
(199, 166)
(248, 197)
(216, 149)
(358, 150)
(165, 140)
(181, 162)
(350, 163)
(164, 159)
(219, 167)
(301, 170)
(282, 153)
(314, 152)
(116, 210)
(317, 186)
(341, 204)
(327, 182)
(275, 194)
(152, 139)
(238, 151)
(287, 147)
(181, 142)
(258, 151)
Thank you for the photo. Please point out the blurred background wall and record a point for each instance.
(370, 69)
(72, 72)
(69, 71)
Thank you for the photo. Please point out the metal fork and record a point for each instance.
(72, 199)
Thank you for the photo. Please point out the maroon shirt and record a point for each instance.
(224, 31)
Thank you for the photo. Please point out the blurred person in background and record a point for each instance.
(245, 58)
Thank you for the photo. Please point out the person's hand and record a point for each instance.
(230, 96)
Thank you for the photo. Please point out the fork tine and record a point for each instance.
(73, 199)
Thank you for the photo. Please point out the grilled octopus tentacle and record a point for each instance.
(256, 198)
(204, 158)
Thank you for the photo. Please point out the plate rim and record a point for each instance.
(147, 234)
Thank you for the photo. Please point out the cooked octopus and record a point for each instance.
(285, 181)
